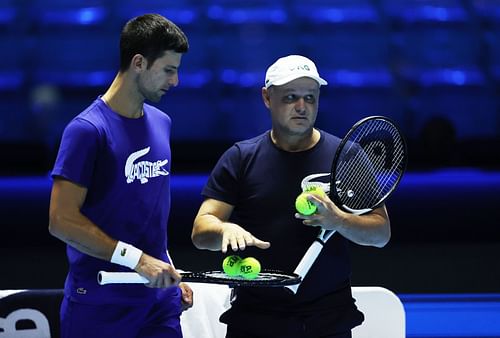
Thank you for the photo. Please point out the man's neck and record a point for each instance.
(295, 143)
(123, 99)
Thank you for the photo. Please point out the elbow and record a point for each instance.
(384, 238)
(199, 242)
(196, 241)
(203, 238)
(196, 238)
(382, 242)
(55, 223)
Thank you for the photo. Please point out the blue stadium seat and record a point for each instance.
(238, 12)
(347, 40)
(13, 74)
(194, 113)
(493, 54)
(189, 16)
(196, 68)
(9, 13)
(488, 12)
(341, 107)
(242, 55)
(434, 42)
(81, 60)
(244, 113)
(247, 37)
(13, 118)
(241, 62)
(339, 12)
(351, 57)
(184, 13)
(12, 68)
(439, 56)
(415, 12)
(54, 14)
(473, 111)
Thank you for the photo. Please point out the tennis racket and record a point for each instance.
(266, 278)
(367, 168)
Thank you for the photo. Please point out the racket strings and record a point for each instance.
(382, 179)
(264, 278)
(388, 177)
(363, 164)
(354, 176)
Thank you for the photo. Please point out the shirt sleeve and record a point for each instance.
(77, 152)
(223, 182)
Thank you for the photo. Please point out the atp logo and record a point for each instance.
(300, 68)
(143, 170)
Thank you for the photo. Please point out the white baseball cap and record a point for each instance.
(290, 68)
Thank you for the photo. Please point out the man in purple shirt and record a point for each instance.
(110, 199)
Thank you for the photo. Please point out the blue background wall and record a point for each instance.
(431, 65)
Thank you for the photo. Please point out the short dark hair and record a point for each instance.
(150, 35)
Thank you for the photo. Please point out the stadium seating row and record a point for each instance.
(413, 60)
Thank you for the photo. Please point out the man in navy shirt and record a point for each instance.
(110, 199)
(249, 205)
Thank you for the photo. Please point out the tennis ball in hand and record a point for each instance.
(304, 206)
(231, 265)
(249, 268)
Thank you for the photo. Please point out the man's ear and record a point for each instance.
(138, 63)
(265, 97)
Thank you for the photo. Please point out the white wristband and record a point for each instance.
(126, 255)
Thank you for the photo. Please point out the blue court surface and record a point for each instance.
(452, 315)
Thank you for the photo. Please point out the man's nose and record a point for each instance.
(300, 105)
(174, 80)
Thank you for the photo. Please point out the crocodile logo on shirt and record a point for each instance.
(143, 170)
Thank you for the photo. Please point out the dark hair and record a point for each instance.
(150, 35)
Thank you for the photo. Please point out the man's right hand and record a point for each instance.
(238, 238)
(159, 273)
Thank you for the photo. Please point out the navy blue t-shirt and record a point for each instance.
(262, 182)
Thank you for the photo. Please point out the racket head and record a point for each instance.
(266, 278)
(368, 165)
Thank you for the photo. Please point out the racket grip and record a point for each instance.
(104, 277)
(306, 262)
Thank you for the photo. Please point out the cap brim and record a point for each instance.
(285, 80)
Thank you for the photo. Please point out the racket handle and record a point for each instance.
(306, 262)
(104, 277)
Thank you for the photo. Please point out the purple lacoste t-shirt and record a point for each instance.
(125, 165)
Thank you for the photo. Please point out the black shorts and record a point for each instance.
(251, 322)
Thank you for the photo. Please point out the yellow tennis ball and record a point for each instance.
(249, 268)
(231, 265)
(304, 206)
